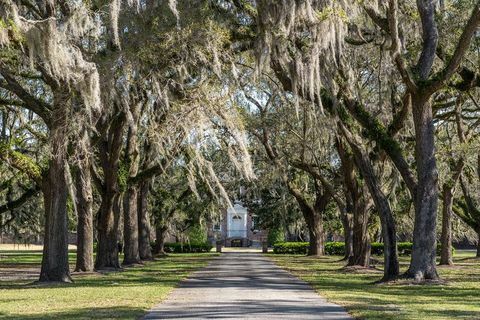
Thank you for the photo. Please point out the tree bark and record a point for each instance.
(316, 233)
(356, 197)
(478, 244)
(361, 239)
(422, 265)
(347, 222)
(389, 233)
(144, 246)
(130, 227)
(446, 238)
(160, 232)
(54, 186)
(130, 210)
(84, 202)
(108, 218)
(107, 250)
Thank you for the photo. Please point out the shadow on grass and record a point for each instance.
(167, 271)
(81, 313)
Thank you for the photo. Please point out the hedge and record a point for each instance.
(338, 248)
(178, 247)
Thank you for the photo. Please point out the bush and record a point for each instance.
(178, 247)
(338, 248)
(335, 248)
(290, 248)
(276, 235)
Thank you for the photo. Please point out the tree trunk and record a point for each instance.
(422, 265)
(144, 246)
(130, 211)
(55, 249)
(478, 244)
(130, 227)
(361, 239)
(348, 234)
(356, 197)
(84, 202)
(160, 232)
(389, 233)
(108, 219)
(446, 238)
(315, 229)
(107, 250)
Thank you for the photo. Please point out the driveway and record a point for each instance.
(245, 285)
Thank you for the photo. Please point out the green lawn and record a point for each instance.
(457, 298)
(119, 295)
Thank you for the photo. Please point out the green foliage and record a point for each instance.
(197, 234)
(178, 247)
(338, 248)
(290, 248)
(276, 235)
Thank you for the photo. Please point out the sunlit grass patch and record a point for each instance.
(125, 294)
(457, 297)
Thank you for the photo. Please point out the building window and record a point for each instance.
(237, 217)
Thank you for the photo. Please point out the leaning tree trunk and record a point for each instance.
(55, 250)
(84, 202)
(144, 246)
(446, 238)
(422, 265)
(389, 233)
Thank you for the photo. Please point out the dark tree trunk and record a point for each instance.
(313, 216)
(160, 232)
(84, 202)
(389, 233)
(130, 227)
(315, 230)
(356, 197)
(55, 250)
(347, 222)
(107, 250)
(109, 215)
(422, 265)
(361, 239)
(144, 246)
(446, 238)
(130, 210)
(478, 244)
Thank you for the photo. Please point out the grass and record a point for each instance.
(118, 295)
(458, 297)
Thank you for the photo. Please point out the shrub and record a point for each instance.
(335, 248)
(338, 248)
(276, 235)
(178, 247)
(290, 248)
